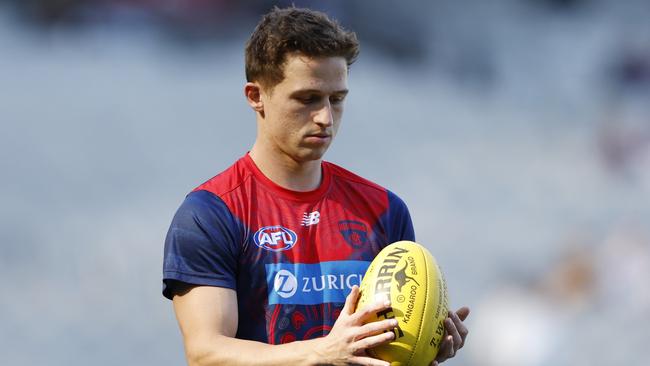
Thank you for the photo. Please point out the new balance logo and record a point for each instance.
(311, 218)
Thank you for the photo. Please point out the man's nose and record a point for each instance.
(324, 115)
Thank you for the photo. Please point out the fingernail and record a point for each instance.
(394, 322)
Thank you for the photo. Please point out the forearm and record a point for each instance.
(223, 350)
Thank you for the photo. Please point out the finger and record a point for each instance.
(446, 349)
(453, 332)
(452, 351)
(462, 329)
(463, 313)
(360, 360)
(351, 301)
(377, 327)
(370, 309)
(373, 341)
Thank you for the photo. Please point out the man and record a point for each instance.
(264, 260)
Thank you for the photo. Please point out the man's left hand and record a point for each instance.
(455, 335)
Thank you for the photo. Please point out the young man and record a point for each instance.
(264, 260)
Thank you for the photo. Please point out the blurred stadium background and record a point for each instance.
(518, 132)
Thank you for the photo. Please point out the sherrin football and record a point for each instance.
(409, 274)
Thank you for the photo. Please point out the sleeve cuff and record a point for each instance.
(193, 279)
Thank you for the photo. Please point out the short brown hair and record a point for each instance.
(289, 30)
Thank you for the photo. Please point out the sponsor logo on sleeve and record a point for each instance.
(311, 284)
(275, 238)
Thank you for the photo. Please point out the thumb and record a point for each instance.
(351, 301)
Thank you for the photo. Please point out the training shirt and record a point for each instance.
(292, 257)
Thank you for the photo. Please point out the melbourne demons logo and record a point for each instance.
(354, 232)
(275, 238)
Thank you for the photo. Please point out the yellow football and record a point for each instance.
(408, 273)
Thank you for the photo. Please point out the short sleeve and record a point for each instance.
(398, 220)
(202, 245)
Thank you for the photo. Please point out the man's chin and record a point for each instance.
(307, 155)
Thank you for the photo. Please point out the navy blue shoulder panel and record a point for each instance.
(203, 244)
(397, 220)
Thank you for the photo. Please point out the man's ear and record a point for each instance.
(253, 93)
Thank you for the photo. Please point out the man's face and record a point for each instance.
(303, 112)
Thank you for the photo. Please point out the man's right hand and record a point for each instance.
(351, 336)
(208, 319)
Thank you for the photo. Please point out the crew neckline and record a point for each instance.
(288, 193)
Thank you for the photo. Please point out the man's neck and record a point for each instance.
(286, 172)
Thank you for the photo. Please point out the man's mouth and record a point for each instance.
(321, 135)
(318, 138)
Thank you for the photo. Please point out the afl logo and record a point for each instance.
(275, 238)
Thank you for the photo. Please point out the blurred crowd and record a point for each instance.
(574, 312)
(588, 303)
(384, 24)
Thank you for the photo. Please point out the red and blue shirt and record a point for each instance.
(292, 257)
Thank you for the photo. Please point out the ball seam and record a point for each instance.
(426, 300)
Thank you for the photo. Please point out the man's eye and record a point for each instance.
(308, 100)
(337, 100)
